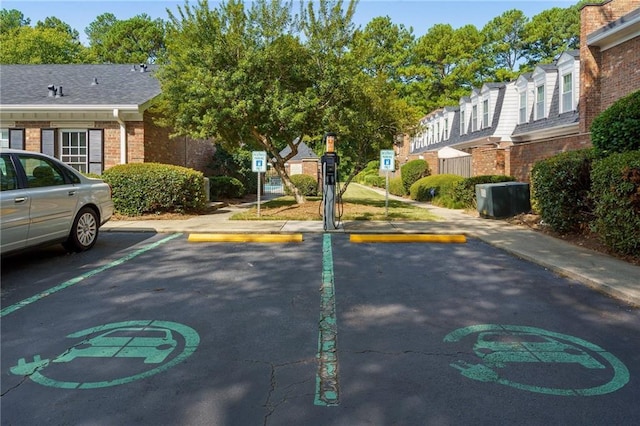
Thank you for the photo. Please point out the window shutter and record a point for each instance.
(96, 151)
(16, 138)
(48, 144)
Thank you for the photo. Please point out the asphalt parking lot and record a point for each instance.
(152, 329)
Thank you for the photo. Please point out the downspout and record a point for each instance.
(123, 136)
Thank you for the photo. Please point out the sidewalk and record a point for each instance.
(606, 274)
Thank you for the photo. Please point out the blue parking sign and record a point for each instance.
(387, 160)
(259, 161)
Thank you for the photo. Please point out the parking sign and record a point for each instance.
(259, 161)
(387, 160)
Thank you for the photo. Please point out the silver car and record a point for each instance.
(44, 201)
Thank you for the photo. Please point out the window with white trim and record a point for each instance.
(523, 108)
(74, 149)
(474, 118)
(485, 113)
(4, 138)
(540, 102)
(446, 128)
(567, 92)
(462, 122)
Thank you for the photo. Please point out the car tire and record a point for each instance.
(84, 232)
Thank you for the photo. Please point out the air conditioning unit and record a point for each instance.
(500, 200)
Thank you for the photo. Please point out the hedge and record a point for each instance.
(617, 129)
(441, 186)
(616, 197)
(412, 171)
(226, 187)
(307, 185)
(464, 192)
(560, 190)
(141, 188)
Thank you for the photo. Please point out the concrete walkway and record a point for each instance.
(606, 274)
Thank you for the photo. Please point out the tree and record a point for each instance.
(27, 45)
(504, 39)
(12, 20)
(446, 63)
(248, 79)
(136, 40)
(550, 33)
(56, 24)
(385, 50)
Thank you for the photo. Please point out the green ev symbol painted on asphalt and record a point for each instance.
(154, 342)
(508, 347)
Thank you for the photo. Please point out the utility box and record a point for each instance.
(500, 200)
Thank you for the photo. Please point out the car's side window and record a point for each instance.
(40, 172)
(8, 177)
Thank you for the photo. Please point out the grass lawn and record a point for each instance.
(359, 203)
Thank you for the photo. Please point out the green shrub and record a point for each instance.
(617, 129)
(375, 180)
(307, 185)
(412, 171)
(140, 188)
(616, 196)
(464, 192)
(225, 187)
(235, 164)
(372, 169)
(560, 189)
(441, 186)
(396, 187)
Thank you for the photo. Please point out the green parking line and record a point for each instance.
(327, 376)
(10, 309)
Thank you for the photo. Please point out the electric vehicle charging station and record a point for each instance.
(330, 161)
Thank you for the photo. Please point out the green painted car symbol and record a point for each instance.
(498, 348)
(151, 343)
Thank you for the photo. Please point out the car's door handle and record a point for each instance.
(19, 200)
(72, 193)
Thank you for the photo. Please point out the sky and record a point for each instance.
(418, 14)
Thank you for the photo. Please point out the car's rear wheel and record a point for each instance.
(84, 232)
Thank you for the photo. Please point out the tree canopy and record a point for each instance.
(263, 77)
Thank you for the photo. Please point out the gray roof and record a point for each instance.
(117, 84)
(304, 152)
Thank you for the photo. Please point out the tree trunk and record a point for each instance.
(286, 180)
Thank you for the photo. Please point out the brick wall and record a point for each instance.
(619, 72)
(609, 75)
(487, 161)
(524, 156)
(159, 147)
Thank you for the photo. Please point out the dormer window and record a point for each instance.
(446, 128)
(485, 113)
(567, 92)
(522, 118)
(540, 102)
(474, 118)
(462, 132)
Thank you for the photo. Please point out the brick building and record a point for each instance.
(508, 127)
(91, 116)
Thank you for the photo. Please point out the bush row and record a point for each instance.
(141, 188)
(307, 185)
(576, 191)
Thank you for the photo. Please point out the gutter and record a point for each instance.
(123, 136)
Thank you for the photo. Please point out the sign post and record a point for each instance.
(259, 165)
(387, 164)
